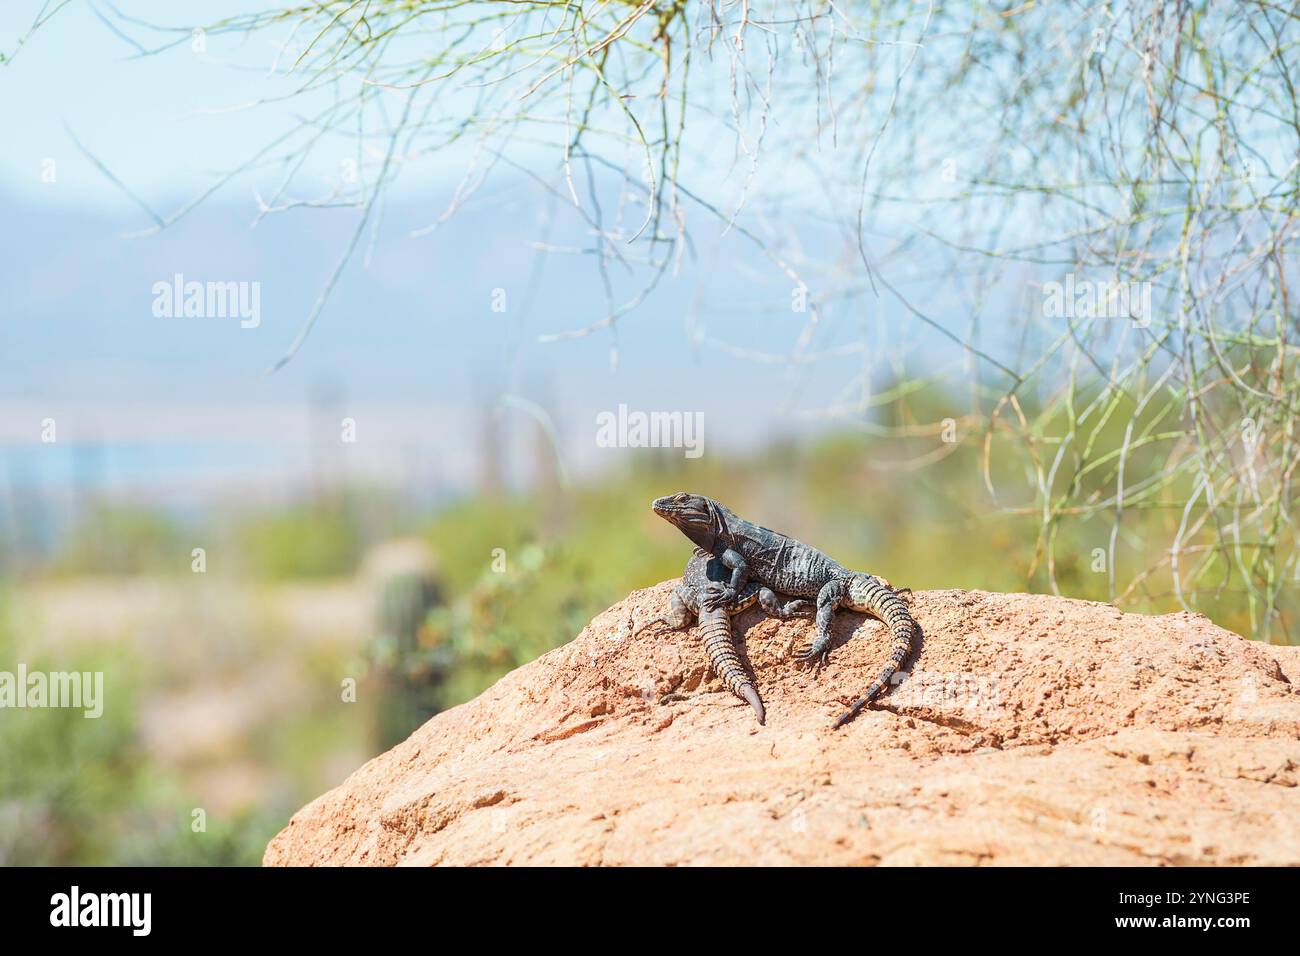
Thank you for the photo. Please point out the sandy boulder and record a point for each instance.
(1030, 730)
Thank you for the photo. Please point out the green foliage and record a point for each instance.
(124, 540)
(306, 542)
(526, 574)
(79, 790)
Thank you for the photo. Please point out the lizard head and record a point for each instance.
(686, 511)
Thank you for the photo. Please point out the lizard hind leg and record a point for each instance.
(772, 605)
(678, 616)
(816, 653)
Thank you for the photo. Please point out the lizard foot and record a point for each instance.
(638, 628)
(716, 596)
(812, 655)
(799, 608)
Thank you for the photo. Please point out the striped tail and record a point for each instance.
(870, 594)
(715, 628)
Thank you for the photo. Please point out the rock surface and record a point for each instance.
(1031, 730)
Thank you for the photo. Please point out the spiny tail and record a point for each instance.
(715, 628)
(874, 596)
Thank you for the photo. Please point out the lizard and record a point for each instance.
(702, 594)
(783, 564)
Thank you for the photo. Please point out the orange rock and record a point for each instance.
(1030, 730)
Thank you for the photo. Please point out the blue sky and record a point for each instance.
(408, 343)
(164, 122)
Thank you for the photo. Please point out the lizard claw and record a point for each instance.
(717, 596)
(812, 655)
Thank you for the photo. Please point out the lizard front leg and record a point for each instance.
(739, 573)
(828, 599)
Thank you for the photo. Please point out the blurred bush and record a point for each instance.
(81, 791)
(303, 542)
(118, 539)
(408, 671)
